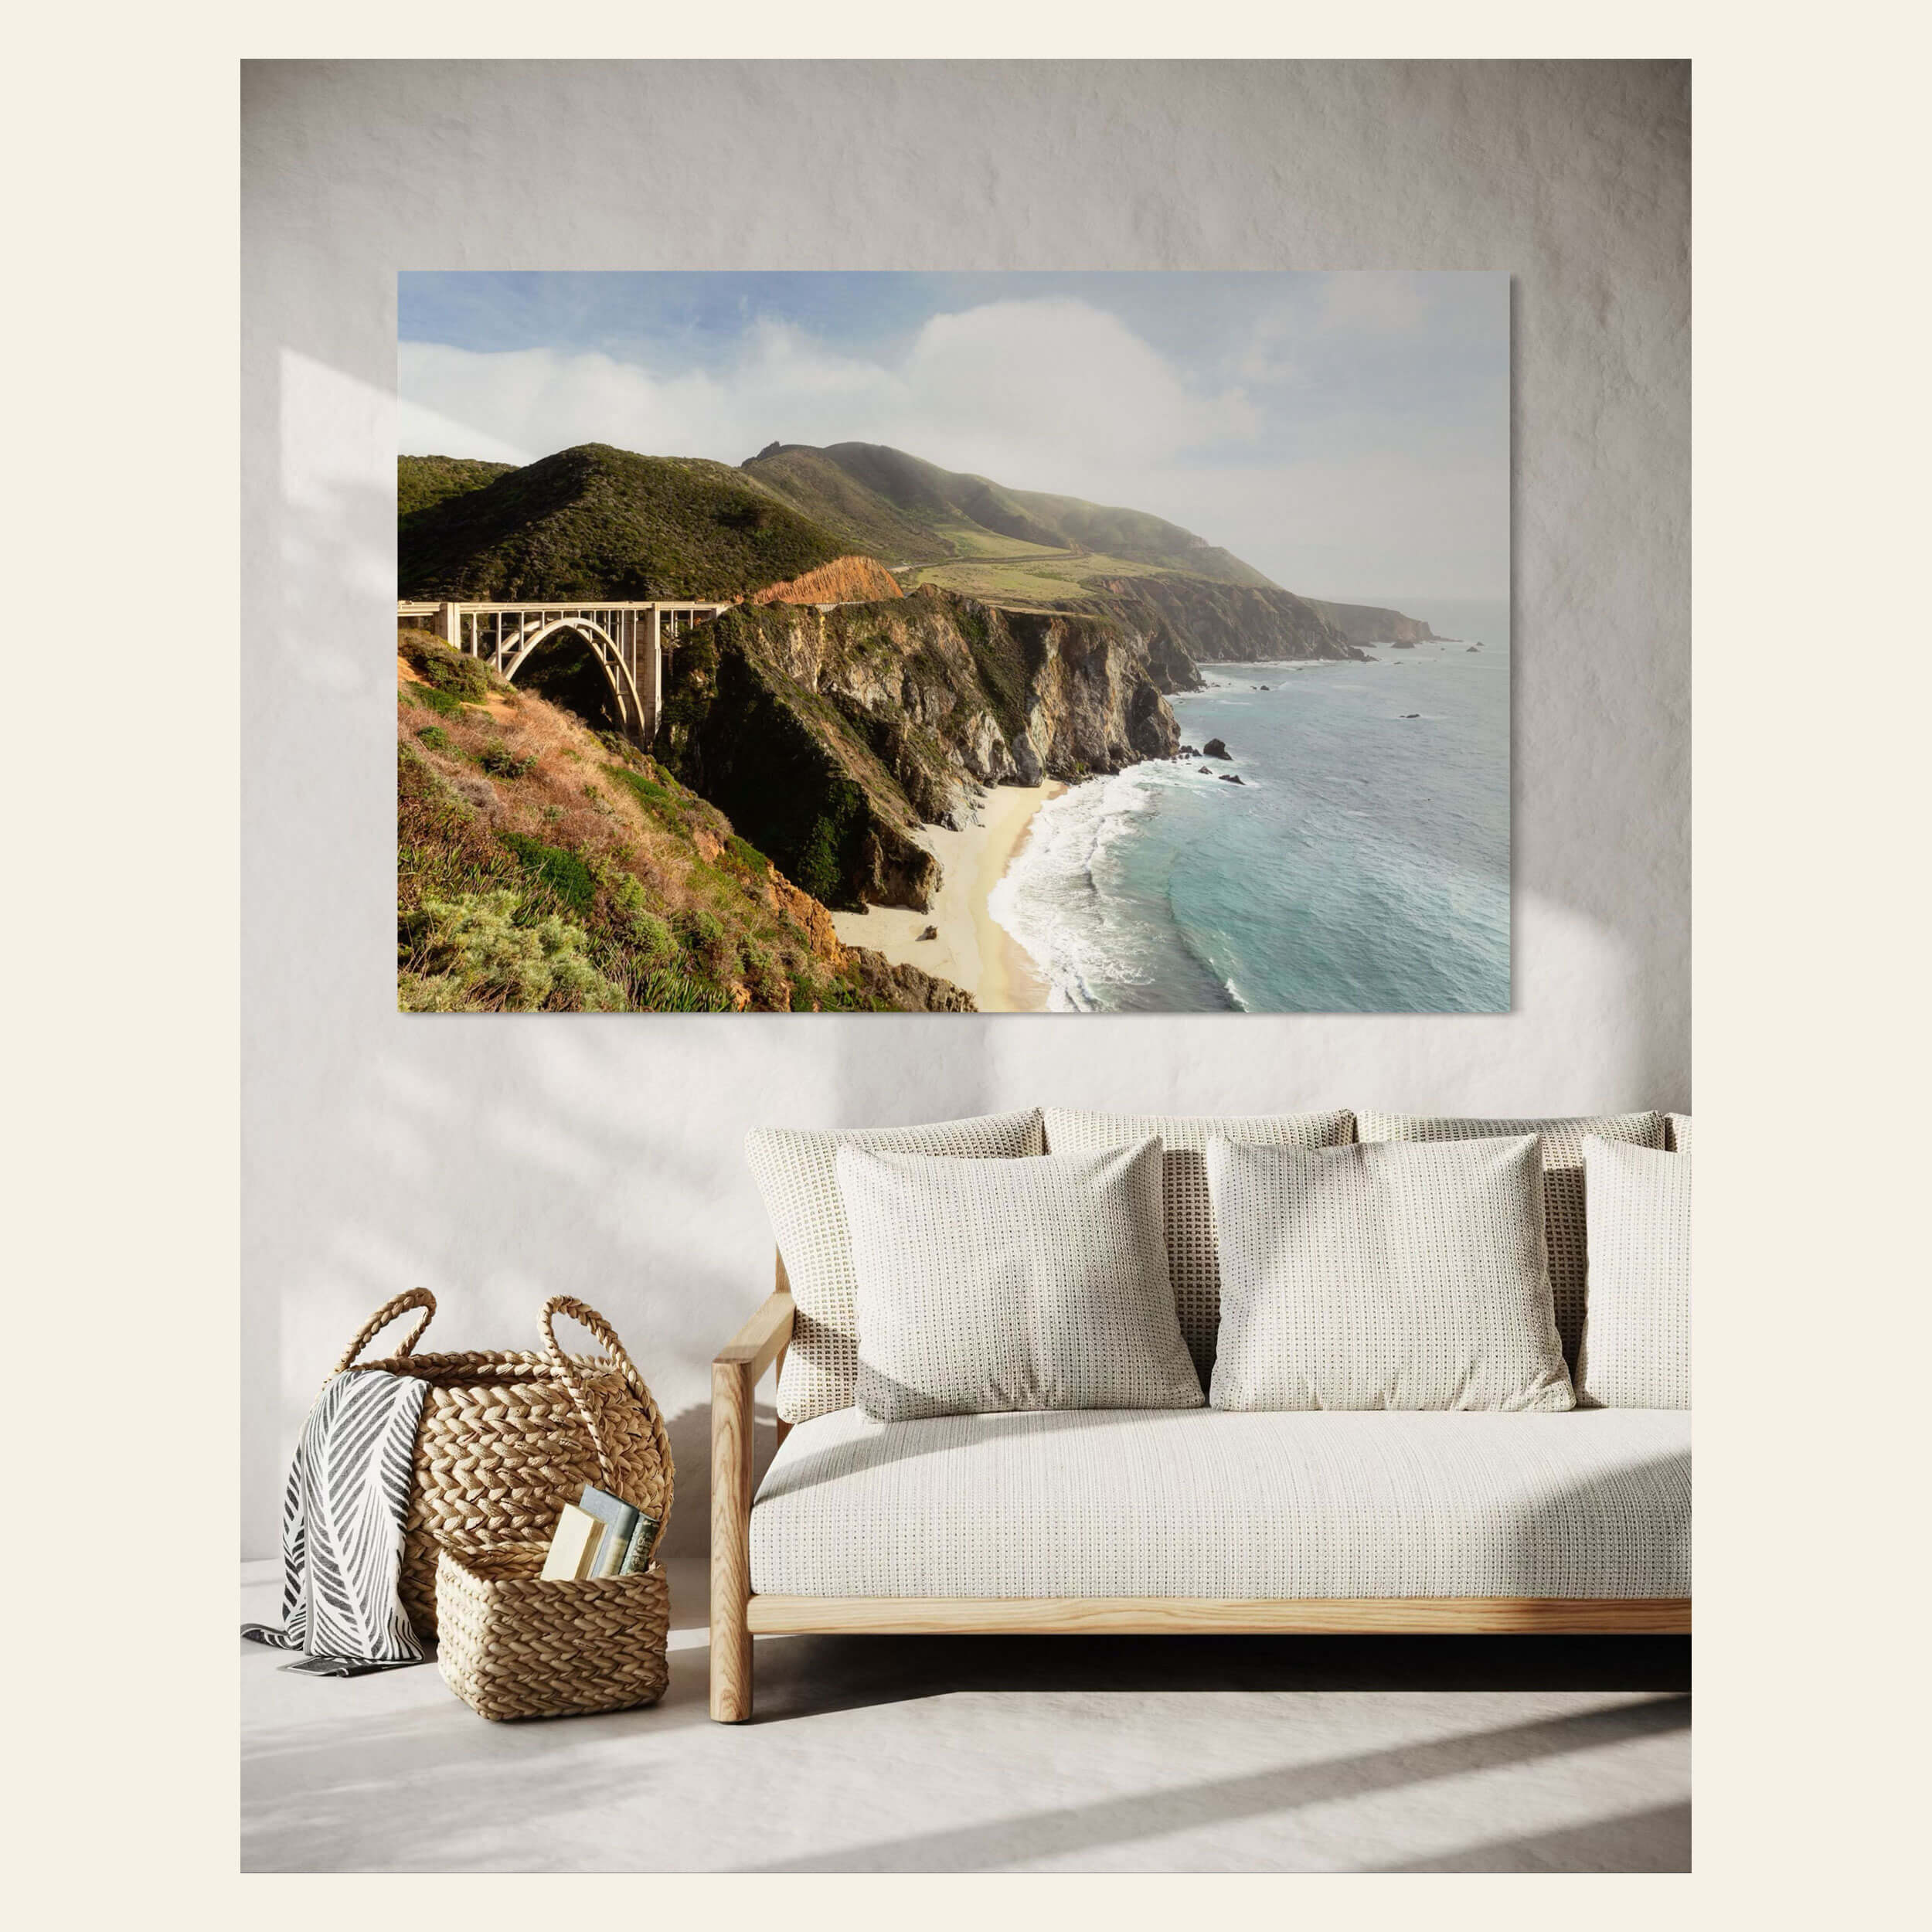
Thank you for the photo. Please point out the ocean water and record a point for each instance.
(1362, 866)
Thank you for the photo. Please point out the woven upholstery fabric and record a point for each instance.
(1562, 1150)
(1192, 1257)
(991, 1285)
(1384, 1277)
(1677, 1133)
(795, 1172)
(1197, 1502)
(1636, 1349)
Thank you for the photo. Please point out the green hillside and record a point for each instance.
(544, 866)
(599, 522)
(1135, 534)
(839, 499)
(422, 481)
(904, 511)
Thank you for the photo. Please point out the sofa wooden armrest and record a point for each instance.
(736, 1371)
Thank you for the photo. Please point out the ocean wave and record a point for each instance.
(1060, 897)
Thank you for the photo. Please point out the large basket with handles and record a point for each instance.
(508, 1439)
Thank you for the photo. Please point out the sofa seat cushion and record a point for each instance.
(1195, 1502)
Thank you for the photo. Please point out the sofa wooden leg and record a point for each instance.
(731, 1416)
(760, 1344)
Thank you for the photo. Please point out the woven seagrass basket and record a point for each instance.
(513, 1645)
(507, 1439)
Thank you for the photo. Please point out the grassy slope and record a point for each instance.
(599, 522)
(423, 481)
(540, 865)
(906, 511)
(817, 486)
(1045, 579)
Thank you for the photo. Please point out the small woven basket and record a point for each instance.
(507, 1439)
(513, 1645)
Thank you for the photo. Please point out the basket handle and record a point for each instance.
(582, 1313)
(410, 1298)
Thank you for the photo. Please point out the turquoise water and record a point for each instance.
(1363, 865)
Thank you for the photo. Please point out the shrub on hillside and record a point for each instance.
(445, 704)
(563, 872)
(501, 762)
(657, 799)
(706, 945)
(647, 938)
(467, 679)
(468, 950)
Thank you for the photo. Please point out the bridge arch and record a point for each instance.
(603, 647)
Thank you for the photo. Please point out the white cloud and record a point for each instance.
(421, 430)
(1052, 394)
(1070, 383)
(1047, 395)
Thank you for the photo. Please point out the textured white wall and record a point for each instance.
(498, 1159)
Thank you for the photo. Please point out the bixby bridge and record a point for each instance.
(628, 639)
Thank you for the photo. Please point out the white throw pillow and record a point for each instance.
(985, 1286)
(1636, 1351)
(795, 1172)
(1384, 1277)
(1563, 1153)
(1190, 1214)
(1677, 1132)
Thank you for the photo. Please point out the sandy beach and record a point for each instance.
(972, 949)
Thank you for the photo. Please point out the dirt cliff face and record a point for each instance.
(829, 736)
(846, 580)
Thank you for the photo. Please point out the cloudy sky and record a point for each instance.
(1348, 433)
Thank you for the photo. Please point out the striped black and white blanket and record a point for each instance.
(342, 1514)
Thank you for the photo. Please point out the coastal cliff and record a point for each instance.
(828, 736)
(541, 866)
(1198, 621)
(1372, 624)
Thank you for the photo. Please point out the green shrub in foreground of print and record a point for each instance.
(470, 950)
(564, 872)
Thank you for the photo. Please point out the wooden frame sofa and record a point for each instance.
(738, 1614)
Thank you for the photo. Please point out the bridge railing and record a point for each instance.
(636, 631)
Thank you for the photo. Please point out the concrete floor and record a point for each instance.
(972, 1754)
